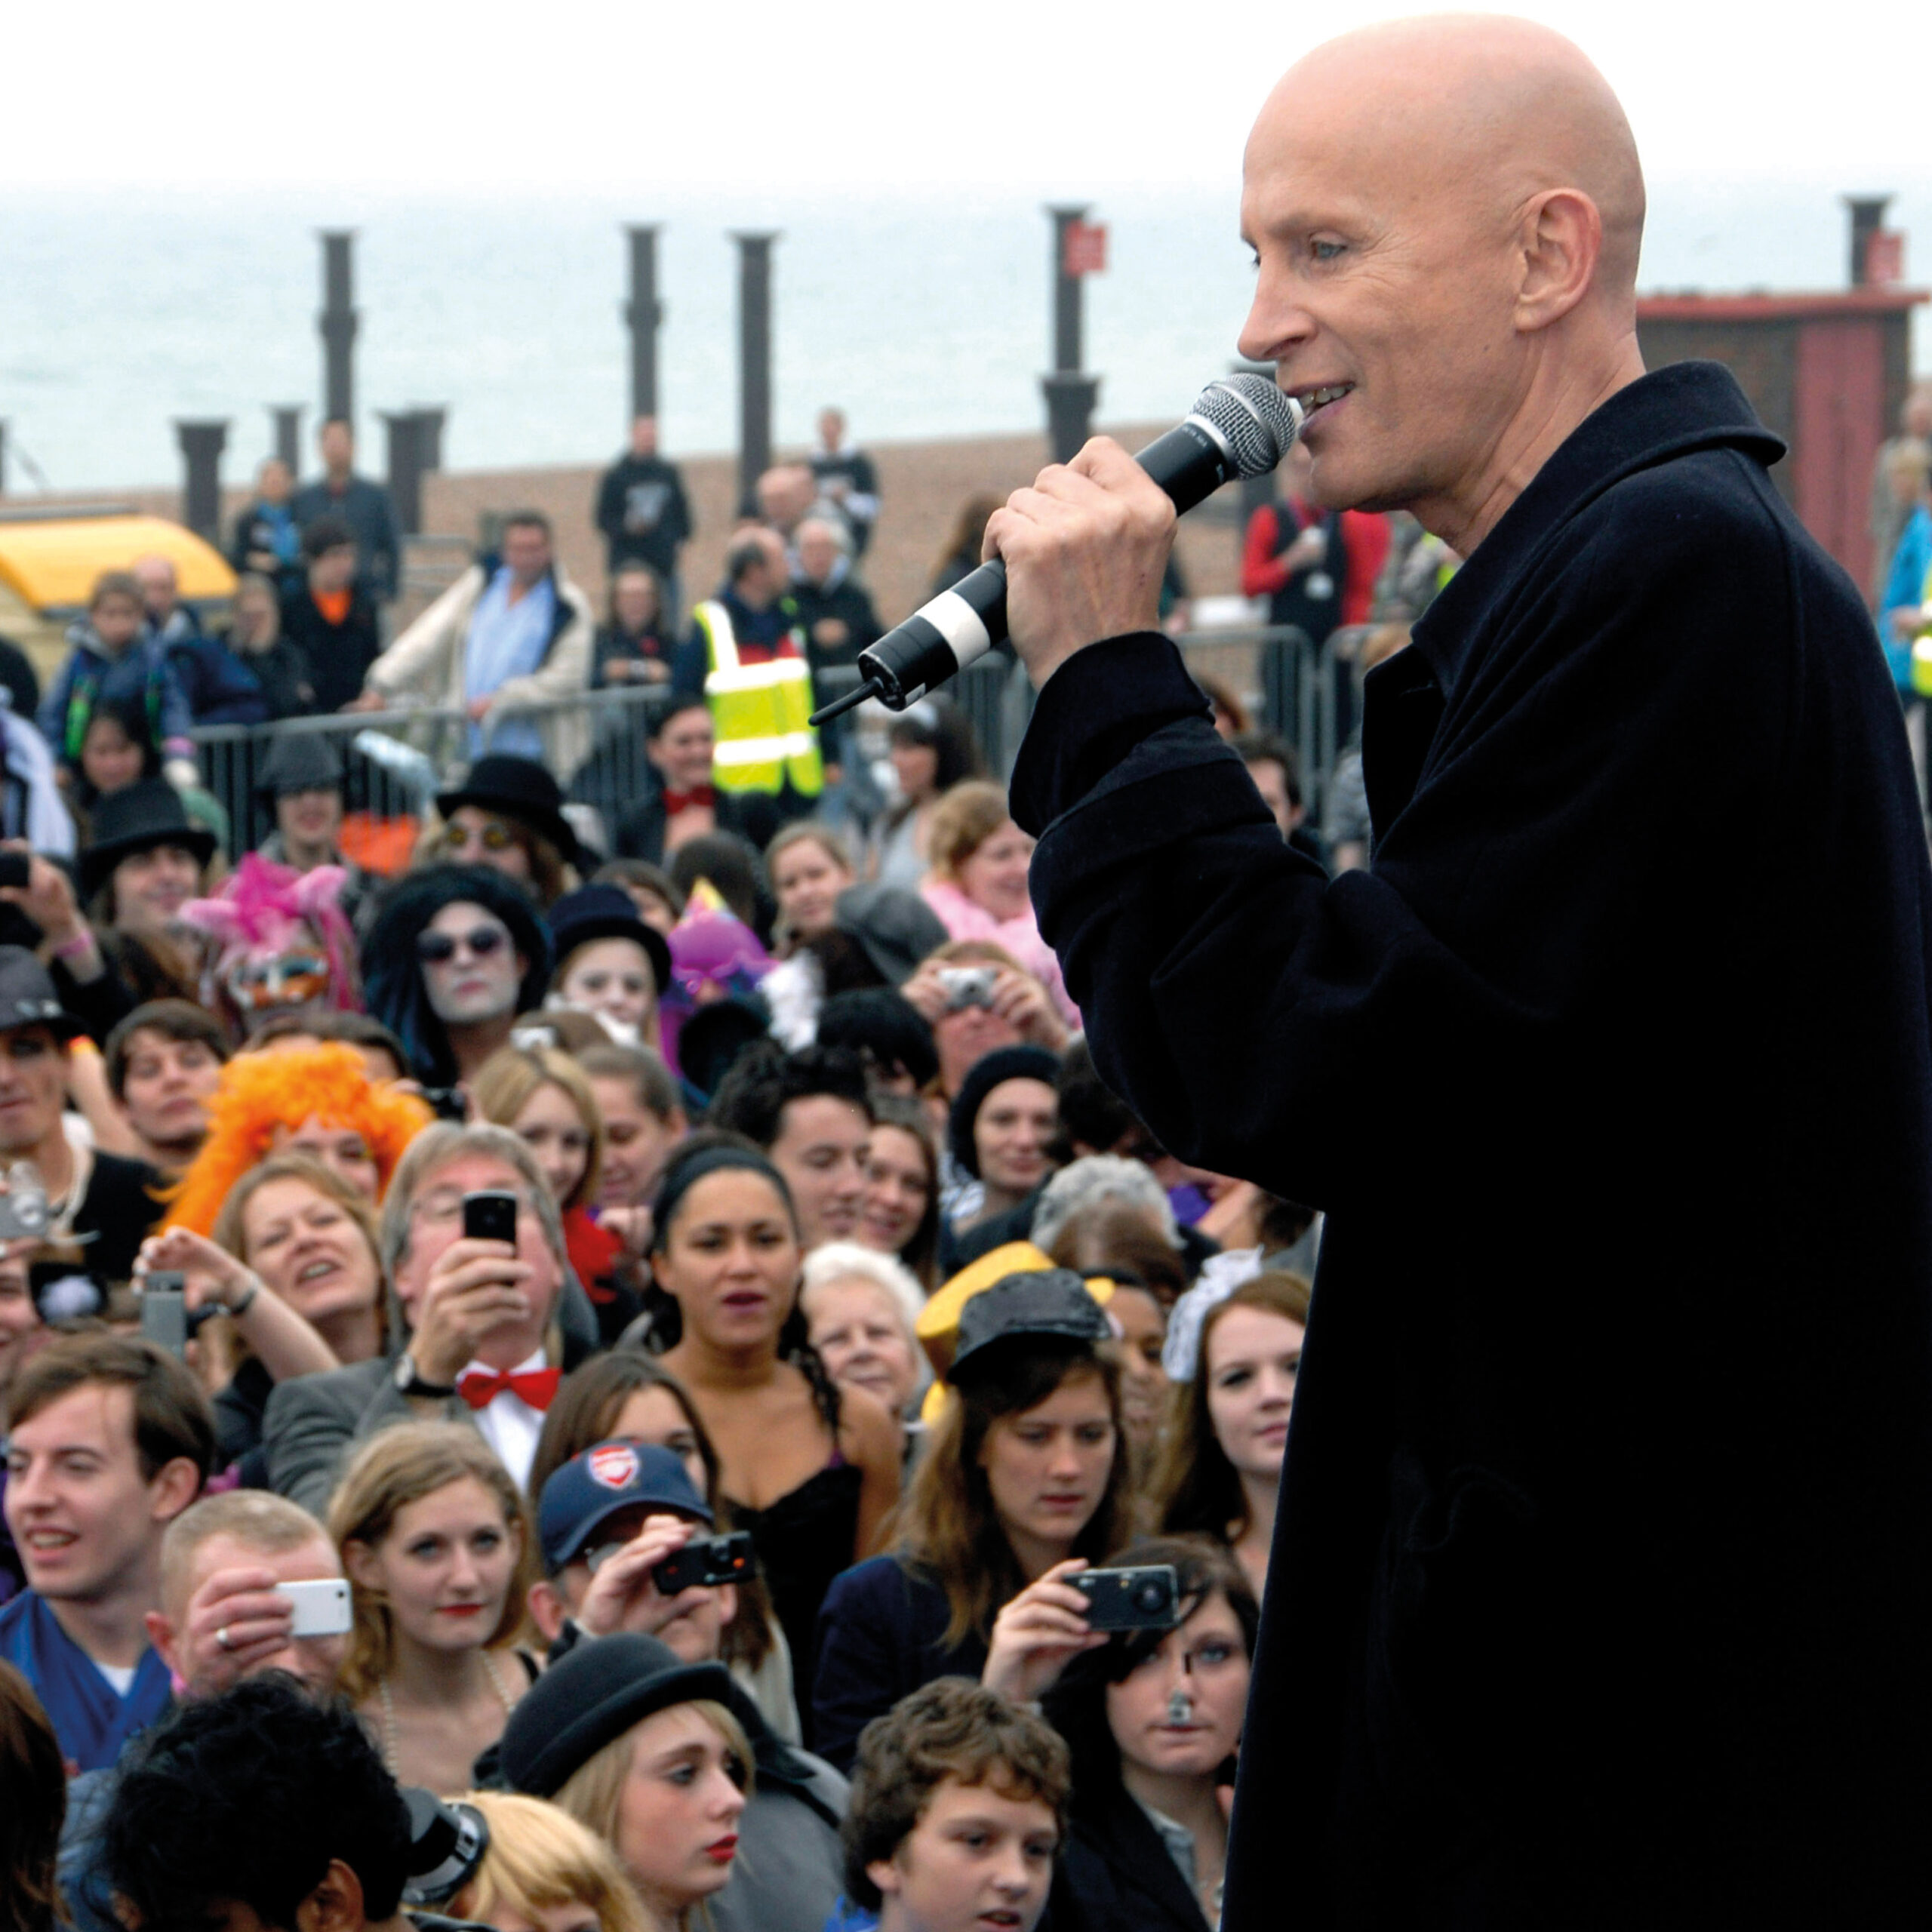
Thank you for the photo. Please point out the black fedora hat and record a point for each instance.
(607, 911)
(136, 819)
(299, 761)
(521, 789)
(27, 998)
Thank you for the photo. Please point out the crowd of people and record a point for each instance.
(678, 1287)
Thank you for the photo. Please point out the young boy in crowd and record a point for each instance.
(114, 656)
(958, 1806)
(164, 1063)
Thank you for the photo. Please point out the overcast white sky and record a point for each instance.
(392, 95)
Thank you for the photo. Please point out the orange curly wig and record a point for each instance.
(262, 1093)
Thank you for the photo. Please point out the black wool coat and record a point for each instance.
(1602, 1584)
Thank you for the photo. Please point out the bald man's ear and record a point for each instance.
(1561, 241)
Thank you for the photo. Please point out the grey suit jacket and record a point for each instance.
(312, 1422)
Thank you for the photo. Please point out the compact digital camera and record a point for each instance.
(1146, 1598)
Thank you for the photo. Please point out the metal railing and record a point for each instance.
(396, 760)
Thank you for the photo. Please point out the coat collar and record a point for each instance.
(1682, 408)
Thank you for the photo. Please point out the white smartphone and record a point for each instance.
(322, 1608)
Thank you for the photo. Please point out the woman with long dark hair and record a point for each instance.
(1152, 1719)
(1023, 1481)
(810, 1470)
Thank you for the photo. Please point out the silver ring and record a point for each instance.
(222, 1638)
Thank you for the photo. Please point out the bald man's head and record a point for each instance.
(1447, 212)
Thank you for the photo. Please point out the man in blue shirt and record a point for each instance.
(109, 1439)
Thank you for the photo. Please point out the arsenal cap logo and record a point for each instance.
(614, 1464)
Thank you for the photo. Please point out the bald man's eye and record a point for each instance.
(1326, 251)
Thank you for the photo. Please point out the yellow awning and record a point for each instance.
(50, 564)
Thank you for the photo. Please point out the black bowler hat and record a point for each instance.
(590, 1697)
(27, 998)
(136, 819)
(301, 761)
(607, 911)
(1051, 1302)
(521, 789)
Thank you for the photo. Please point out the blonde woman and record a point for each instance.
(545, 1098)
(544, 1872)
(642, 1749)
(435, 1542)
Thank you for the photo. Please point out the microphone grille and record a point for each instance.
(1255, 420)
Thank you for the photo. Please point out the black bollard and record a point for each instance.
(1868, 218)
(287, 418)
(338, 322)
(201, 445)
(644, 314)
(754, 363)
(1070, 396)
(404, 430)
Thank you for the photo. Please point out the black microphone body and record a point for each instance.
(1241, 427)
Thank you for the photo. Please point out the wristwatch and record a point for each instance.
(409, 1379)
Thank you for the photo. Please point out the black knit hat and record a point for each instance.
(136, 819)
(591, 1696)
(987, 1072)
(520, 789)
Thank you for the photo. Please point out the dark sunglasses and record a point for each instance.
(435, 948)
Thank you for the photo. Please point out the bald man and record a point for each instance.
(1601, 1591)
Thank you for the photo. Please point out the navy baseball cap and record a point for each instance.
(589, 1490)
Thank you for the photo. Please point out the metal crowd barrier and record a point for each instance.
(396, 760)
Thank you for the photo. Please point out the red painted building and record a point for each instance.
(1827, 372)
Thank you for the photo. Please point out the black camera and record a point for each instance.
(1147, 1598)
(709, 1560)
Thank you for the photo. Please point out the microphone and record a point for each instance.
(1240, 426)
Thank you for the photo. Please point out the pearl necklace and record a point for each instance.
(389, 1708)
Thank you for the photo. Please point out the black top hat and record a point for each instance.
(607, 911)
(1052, 1301)
(136, 819)
(895, 928)
(301, 761)
(27, 998)
(521, 789)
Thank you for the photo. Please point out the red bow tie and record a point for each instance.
(675, 802)
(480, 1387)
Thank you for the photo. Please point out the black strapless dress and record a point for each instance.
(803, 1541)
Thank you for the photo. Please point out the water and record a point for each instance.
(122, 311)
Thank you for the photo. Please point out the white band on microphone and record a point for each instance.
(962, 627)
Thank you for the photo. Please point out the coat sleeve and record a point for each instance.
(1262, 571)
(611, 503)
(310, 1422)
(1266, 1022)
(861, 1658)
(414, 662)
(52, 719)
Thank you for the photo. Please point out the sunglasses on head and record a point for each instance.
(436, 949)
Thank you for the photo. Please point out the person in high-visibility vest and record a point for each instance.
(746, 650)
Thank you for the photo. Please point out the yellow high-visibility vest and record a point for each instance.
(761, 714)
